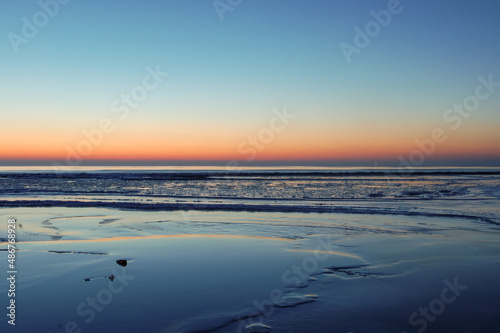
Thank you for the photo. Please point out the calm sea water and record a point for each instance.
(250, 189)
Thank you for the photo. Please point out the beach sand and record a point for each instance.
(224, 271)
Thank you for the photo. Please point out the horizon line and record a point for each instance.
(464, 162)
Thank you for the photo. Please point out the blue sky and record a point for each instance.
(228, 75)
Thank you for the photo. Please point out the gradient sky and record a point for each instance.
(227, 78)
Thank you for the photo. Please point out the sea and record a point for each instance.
(323, 190)
(255, 249)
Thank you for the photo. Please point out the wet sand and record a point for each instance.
(224, 271)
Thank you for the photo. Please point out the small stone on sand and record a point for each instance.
(122, 262)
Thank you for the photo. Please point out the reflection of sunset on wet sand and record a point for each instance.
(250, 166)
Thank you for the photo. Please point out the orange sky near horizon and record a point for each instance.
(299, 141)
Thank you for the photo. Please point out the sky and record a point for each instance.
(250, 82)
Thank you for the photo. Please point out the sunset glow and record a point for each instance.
(183, 86)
